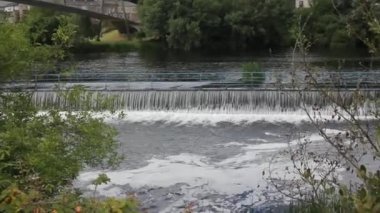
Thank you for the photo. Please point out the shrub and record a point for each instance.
(252, 74)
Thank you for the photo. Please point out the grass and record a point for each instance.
(112, 41)
(113, 36)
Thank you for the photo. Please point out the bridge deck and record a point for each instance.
(116, 12)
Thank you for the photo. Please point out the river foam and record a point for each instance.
(231, 184)
(198, 175)
(208, 118)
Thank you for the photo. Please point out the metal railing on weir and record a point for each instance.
(202, 81)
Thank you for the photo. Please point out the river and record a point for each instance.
(209, 159)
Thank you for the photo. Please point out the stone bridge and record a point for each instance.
(100, 9)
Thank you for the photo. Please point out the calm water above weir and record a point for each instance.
(162, 61)
(208, 152)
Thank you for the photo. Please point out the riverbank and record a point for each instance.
(101, 46)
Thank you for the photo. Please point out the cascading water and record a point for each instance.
(224, 100)
(192, 143)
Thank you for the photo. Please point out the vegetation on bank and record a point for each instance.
(112, 41)
(252, 75)
(217, 24)
(42, 153)
(337, 24)
(238, 24)
(344, 176)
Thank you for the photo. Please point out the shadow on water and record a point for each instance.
(155, 57)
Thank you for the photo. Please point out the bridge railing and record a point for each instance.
(204, 80)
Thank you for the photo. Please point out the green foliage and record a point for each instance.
(101, 179)
(364, 199)
(3, 16)
(50, 27)
(261, 22)
(155, 15)
(340, 39)
(363, 23)
(44, 152)
(333, 24)
(367, 197)
(86, 29)
(66, 33)
(42, 24)
(183, 34)
(41, 153)
(14, 200)
(186, 24)
(355, 149)
(19, 57)
(252, 74)
(322, 22)
(95, 46)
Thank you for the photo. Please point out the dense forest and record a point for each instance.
(187, 24)
(222, 24)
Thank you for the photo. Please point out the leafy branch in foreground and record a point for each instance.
(41, 153)
(45, 151)
(339, 172)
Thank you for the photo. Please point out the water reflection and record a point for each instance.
(151, 60)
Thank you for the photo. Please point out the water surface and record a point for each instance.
(209, 154)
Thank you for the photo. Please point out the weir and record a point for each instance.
(227, 101)
(220, 91)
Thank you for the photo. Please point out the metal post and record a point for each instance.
(252, 80)
(151, 81)
(35, 82)
(105, 81)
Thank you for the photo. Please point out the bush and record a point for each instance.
(252, 74)
(13, 199)
(44, 152)
(340, 39)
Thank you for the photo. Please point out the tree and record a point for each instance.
(155, 15)
(326, 23)
(41, 25)
(363, 24)
(186, 24)
(44, 25)
(19, 57)
(41, 153)
(45, 152)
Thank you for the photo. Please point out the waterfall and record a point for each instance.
(211, 100)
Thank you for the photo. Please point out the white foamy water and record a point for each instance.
(227, 183)
(232, 144)
(212, 118)
(272, 134)
(197, 174)
(209, 118)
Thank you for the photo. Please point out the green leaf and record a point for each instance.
(101, 179)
